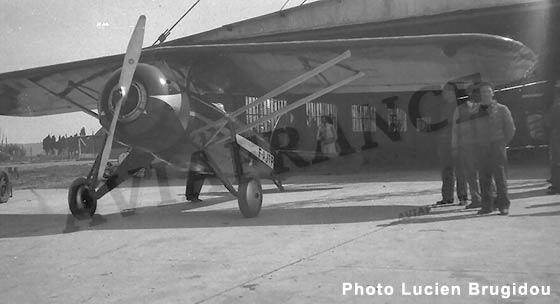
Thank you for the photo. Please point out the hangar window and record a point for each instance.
(257, 112)
(363, 118)
(314, 111)
(396, 118)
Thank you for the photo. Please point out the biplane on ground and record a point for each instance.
(173, 103)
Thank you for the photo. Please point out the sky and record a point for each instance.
(36, 33)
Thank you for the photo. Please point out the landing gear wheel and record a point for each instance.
(5, 187)
(81, 199)
(250, 197)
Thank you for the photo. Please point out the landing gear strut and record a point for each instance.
(85, 191)
(249, 194)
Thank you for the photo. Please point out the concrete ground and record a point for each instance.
(324, 234)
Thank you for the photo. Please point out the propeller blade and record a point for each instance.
(130, 62)
(132, 55)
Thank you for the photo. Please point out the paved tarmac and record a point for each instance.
(318, 242)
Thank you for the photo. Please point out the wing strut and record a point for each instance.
(281, 89)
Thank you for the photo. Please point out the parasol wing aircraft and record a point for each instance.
(161, 100)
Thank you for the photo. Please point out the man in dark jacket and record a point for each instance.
(463, 143)
(450, 171)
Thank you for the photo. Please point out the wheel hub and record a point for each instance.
(82, 197)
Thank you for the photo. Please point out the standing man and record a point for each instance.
(463, 143)
(553, 123)
(448, 160)
(495, 129)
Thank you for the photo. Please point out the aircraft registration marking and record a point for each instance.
(265, 156)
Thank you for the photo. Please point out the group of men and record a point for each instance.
(64, 145)
(472, 148)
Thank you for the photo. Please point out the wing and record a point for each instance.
(393, 64)
(55, 89)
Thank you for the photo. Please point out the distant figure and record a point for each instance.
(5, 187)
(326, 135)
(59, 145)
(52, 144)
(46, 145)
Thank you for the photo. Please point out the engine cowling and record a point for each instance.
(153, 116)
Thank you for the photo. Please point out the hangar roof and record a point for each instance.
(331, 14)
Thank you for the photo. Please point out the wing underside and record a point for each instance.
(389, 64)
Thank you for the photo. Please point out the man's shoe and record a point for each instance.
(484, 211)
(504, 211)
(473, 206)
(194, 200)
(444, 202)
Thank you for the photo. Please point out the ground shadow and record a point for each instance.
(551, 213)
(461, 214)
(528, 194)
(543, 205)
(524, 185)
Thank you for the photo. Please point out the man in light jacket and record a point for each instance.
(494, 129)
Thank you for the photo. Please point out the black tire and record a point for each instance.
(81, 199)
(5, 187)
(250, 197)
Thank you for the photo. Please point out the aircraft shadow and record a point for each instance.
(287, 190)
(176, 216)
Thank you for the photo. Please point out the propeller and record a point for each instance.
(130, 62)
